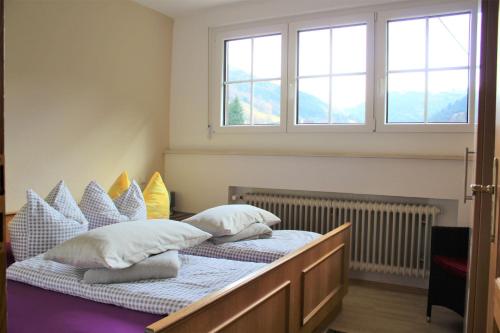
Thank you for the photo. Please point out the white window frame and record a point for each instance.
(381, 55)
(323, 23)
(376, 18)
(218, 37)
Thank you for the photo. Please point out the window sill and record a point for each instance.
(245, 129)
(425, 128)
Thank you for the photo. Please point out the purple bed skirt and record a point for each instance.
(31, 309)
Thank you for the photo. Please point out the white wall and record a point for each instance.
(202, 179)
(86, 93)
(189, 102)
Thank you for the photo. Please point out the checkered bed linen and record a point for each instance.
(266, 250)
(198, 277)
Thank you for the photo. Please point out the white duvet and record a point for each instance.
(264, 250)
(198, 277)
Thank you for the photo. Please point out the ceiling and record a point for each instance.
(179, 7)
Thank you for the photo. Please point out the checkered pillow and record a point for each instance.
(38, 227)
(99, 208)
(61, 199)
(18, 231)
(131, 203)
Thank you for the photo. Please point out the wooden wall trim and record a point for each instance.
(315, 154)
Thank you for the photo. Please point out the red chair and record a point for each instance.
(449, 266)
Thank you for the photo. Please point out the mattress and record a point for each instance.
(265, 250)
(198, 277)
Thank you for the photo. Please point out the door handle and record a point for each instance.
(490, 189)
(466, 174)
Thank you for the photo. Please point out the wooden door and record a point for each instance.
(493, 318)
(3, 297)
(482, 261)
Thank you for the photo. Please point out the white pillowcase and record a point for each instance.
(39, 227)
(230, 219)
(121, 245)
(161, 266)
(254, 231)
(99, 208)
(131, 203)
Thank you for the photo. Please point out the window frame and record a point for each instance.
(330, 21)
(218, 37)
(381, 68)
(376, 18)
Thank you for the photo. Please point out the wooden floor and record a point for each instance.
(370, 309)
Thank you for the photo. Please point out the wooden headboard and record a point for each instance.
(8, 218)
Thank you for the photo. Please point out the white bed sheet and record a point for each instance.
(198, 277)
(265, 250)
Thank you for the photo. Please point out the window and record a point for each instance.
(405, 69)
(428, 70)
(252, 81)
(248, 79)
(331, 80)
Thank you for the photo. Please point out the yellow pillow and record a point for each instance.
(121, 184)
(157, 198)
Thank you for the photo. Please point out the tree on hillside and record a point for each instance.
(235, 114)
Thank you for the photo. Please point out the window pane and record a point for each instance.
(349, 49)
(314, 52)
(239, 59)
(406, 44)
(406, 98)
(449, 41)
(448, 96)
(238, 104)
(313, 101)
(348, 99)
(267, 57)
(266, 102)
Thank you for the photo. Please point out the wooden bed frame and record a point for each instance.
(301, 292)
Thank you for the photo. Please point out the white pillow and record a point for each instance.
(38, 227)
(253, 231)
(161, 266)
(230, 219)
(99, 208)
(131, 203)
(121, 245)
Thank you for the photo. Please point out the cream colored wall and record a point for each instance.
(86, 93)
(190, 88)
(201, 180)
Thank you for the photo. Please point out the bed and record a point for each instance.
(267, 250)
(289, 295)
(198, 277)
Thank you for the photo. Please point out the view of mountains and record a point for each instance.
(403, 106)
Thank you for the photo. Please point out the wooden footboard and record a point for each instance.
(301, 292)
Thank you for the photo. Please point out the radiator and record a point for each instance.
(385, 237)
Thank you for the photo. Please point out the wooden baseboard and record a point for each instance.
(388, 287)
